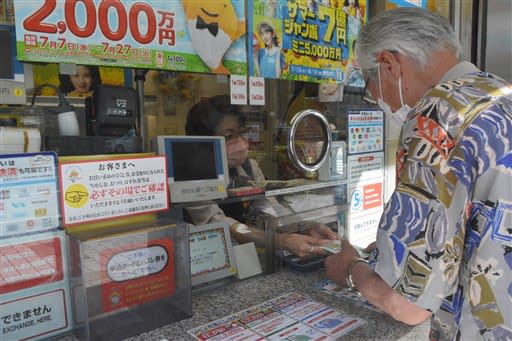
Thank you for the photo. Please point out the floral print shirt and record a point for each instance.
(445, 238)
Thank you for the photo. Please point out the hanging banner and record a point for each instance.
(305, 40)
(182, 35)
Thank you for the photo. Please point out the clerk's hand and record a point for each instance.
(301, 244)
(321, 231)
(337, 264)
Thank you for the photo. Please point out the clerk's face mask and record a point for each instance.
(237, 150)
(398, 117)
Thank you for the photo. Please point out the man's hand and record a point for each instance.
(337, 264)
(370, 248)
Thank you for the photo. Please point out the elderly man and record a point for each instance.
(444, 243)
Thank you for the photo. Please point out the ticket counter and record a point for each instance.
(237, 295)
(212, 305)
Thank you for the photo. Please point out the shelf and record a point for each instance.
(306, 187)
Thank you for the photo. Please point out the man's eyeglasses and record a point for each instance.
(242, 132)
(366, 95)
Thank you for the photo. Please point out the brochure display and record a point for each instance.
(130, 281)
(288, 317)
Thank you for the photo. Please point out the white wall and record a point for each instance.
(498, 50)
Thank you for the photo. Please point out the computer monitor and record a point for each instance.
(197, 166)
(211, 253)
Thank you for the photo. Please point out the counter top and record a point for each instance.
(238, 295)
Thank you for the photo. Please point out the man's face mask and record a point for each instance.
(394, 120)
(237, 150)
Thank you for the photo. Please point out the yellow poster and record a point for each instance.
(306, 40)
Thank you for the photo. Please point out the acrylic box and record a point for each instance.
(129, 281)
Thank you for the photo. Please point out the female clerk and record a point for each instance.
(217, 117)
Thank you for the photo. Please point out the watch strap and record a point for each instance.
(348, 278)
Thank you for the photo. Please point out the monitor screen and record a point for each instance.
(197, 167)
(211, 253)
(193, 160)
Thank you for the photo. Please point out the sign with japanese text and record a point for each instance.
(34, 292)
(37, 316)
(256, 91)
(28, 193)
(136, 274)
(29, 264)
(108, 189)
(182, 35)
(365, 131)
(365, 192)
(364, 167)
(238, 89)
(305, 40)
(208, 252)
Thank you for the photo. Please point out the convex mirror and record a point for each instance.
(309, 140)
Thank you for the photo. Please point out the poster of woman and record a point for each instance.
(268, 59)
(80, 83)
(314, 36)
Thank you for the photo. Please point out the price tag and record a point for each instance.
(257, 91)
(238, 89)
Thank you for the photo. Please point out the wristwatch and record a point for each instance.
(348, 278)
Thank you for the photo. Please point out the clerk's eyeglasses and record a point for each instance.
(233, 135)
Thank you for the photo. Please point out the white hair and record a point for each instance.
(413, 32)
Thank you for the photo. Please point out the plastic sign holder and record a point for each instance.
(129, 281)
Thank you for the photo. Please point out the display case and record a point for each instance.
(296, 210)
(292, 206)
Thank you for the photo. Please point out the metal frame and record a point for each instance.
(292, 153)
